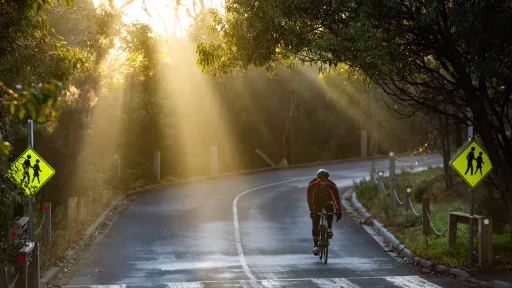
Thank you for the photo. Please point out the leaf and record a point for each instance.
(32, 110)
(41, 118)
(22, 112)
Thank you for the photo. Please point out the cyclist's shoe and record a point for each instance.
(329, 233)
(315, 251)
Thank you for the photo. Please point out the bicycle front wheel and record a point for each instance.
(326, 250)
(320, 244)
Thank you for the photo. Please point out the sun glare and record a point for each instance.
(161, 15)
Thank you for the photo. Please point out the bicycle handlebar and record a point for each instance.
(326, 213)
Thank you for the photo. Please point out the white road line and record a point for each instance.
(334, 282)
(270, 283)
(411, 282)
(186, 285)
(401, 281)
(236, 225)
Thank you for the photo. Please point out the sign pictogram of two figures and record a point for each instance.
(479, 161)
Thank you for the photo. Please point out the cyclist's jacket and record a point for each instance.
(317, 195)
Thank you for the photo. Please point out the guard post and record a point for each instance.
(484, 226)
(156, 165)
(47, 224)
(392, 184)
(380, 184)
(408, 191)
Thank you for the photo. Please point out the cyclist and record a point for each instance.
(320, 192)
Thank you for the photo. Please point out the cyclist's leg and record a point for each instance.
(316, 224)
(329, 208)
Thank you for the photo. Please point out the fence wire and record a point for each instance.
(414, 211)
(396, 196)
(434, 228)
(15, 279)
(41, 226)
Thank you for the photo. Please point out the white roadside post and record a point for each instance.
(214, 160)
(392, 178)
(156, 164)
(364, 143)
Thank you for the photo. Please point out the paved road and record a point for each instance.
(244, 231)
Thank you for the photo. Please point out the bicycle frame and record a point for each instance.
(323, 241)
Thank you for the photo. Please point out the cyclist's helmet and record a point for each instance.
(322, 174)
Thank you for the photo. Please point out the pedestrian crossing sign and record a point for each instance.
(30, 172)
(472, 164)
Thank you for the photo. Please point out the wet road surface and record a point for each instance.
(244, 231)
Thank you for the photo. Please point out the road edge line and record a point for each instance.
(402, 250)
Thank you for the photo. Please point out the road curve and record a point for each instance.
(243, 231)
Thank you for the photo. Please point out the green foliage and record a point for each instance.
(35, 101)
(139, 42)
(30, 52)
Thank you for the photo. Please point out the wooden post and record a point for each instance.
(485, 242)
(79, 208)
(407, 201)
(392, 179)
(47, 225)
(156, 165)
(364, 144)
(380, 184)
(34, 270)
(426, 209)
(452, 231)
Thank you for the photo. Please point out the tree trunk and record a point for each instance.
(448, 152)
(458, 134)
(291, 159)
(446, 155)
(287, 121)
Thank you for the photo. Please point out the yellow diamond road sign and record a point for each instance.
(472, 164)
(30, 172)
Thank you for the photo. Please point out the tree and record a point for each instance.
(37, 66)
(449, 58)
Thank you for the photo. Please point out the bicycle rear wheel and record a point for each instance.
(326, 250)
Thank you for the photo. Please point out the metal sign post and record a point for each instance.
(30, 135)
(470, 256)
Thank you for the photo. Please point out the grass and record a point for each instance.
(407, 227)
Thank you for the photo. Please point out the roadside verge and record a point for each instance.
(402, 251)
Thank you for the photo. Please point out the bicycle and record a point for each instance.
(323, 241)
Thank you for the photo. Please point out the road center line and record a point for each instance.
(238, 240)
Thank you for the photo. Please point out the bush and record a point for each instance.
(420, 191)
(366, 192)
